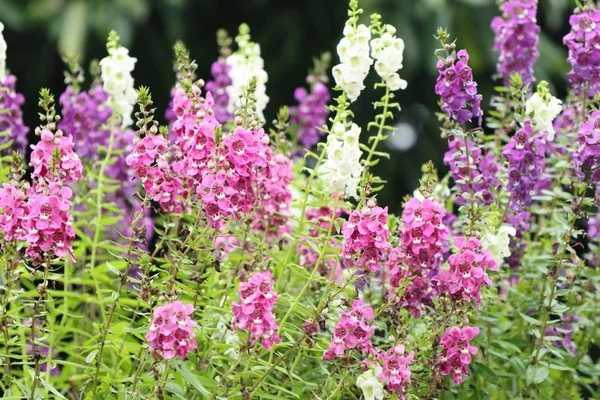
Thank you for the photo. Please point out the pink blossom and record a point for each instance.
(254, 312)
(467, 273)
(456, 352)
(69, 166)
(351, 332)
(395, 372)
(171, 332)
(366, 236)
(12, 204)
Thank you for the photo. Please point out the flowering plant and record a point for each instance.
(221, 256)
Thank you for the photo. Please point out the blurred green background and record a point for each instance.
(290, 33)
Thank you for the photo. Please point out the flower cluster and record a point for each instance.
(84, 115)
(12, 203)
(118, 82)
(543, 109)
(387, 50)
(467, 272)
(355, 62)
(310, 113)
(69, 166)
(254, 312)
(584, 52)
(47, 224)
(525, 153)
(476, 172)
(151, 166)
(11, 117)
(228, 187)
(517, 35)
(370, 384)
(172, 331)
(457, 89)
(395, 372)
(366, 235)
(218, 88)
(274, 198)
(587, 154)
(351, 332)
(422, 235)
(456, 352)
(342, 169)
(245, 64)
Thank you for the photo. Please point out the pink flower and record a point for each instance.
(467, 273)
(69, 166)
(351, 332)
(423, 234)
(395, 372)
(254, 312)
(171, 332)
(456, 352)
(12, 204)
(366, 238)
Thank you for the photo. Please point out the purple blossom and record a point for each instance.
(12, 120)
(484, 170)
(516, 39)
(458, 90)
(216, 86)
(583, 42)
(310, 113)
(587, 156)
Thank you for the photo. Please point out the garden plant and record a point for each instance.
(236, 255)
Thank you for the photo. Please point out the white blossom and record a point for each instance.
(2, 53)
(542, 113)
(370, 385)
(355, 62)
(222, 334)
(247, 63)
(497, 243)
(342, 170)
(118, 82)
(387, 51)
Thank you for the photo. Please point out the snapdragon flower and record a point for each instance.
(497, 242)
(387, 51)
(370, 384)
(517, 35)
(342, 169)
(246, 63)
(171, 332)
(543, 108)
(117, 80)
(456, 352)
(583, 42)
(355, 62)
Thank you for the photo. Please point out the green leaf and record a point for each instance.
(91, 356)
(529, 319)
(193, 380)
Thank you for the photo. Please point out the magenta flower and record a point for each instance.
(171, 333)
(456, 352)
(217, 87)
(458, 90)
(516, 39)
(587, 155)
(351, 332)
(69, 167)
(423, 234)
(395, 372)
(365, 243)
(12, 204)
(467, 273)
(254, 311)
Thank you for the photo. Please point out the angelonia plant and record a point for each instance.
(223, 256)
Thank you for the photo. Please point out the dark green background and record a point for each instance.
(290, 33)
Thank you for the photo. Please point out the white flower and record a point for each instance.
(245, 64)
(498, 243)
(371, 387)
(387, 51)
(223, 335)
(117, 81)
(355, 62)
(543, 113)
(342, 170)
(2, 53)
